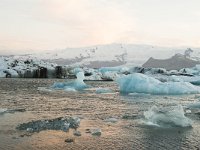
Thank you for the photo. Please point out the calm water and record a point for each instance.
(93, 109)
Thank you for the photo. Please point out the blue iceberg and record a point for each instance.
(76, 85)
(140, 83)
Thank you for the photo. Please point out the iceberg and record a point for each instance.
(140, 83)
(173, 117)
(76, 85)
(113, 69)
(195, 80)
(110, 76)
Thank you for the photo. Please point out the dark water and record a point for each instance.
(93, 109)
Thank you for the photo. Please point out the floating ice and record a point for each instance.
(110, 75)
(76, 85)
(77, 70)
(77, 133)
(69, 89)
(3, 110)
(44, 89)
(194, 106)
(192, 79)
(96, 132)
(113, 69)
(95, 77)
(112, 120)
(140, 83)
(173, 117)
(61, 123)
(103, 90)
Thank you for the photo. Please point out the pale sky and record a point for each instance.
(36, 25)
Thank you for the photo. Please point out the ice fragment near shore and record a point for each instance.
(140, 83)
(96, 132)
(173, 117)
(3, 110)
(54, 124)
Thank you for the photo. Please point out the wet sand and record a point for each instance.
(93, 109)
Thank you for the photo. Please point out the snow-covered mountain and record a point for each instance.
(108, 55)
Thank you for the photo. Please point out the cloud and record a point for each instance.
(50, 24)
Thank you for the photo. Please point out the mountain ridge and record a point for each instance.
(106, 55)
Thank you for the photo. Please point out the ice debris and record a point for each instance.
(103, 90)
(140, 83)
(69, 140)
(60, 123)
(77, 133)
(113, 69)
(44, 89)
(96, 131)
(112, 120)
(3, 110)
(170, 117)
(194, 106)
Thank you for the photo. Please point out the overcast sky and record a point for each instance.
(35, 25)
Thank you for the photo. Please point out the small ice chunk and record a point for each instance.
(170, 117)
(3, 110)
(77, 133)
(96, 131)
(113, 120)
(188, 111)
(29, 129)
(44, 89)
(76, 85)
(65, 127)
(69, 140)
(75, 122)
(103, 90)
(194, 105)
(68, 89)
